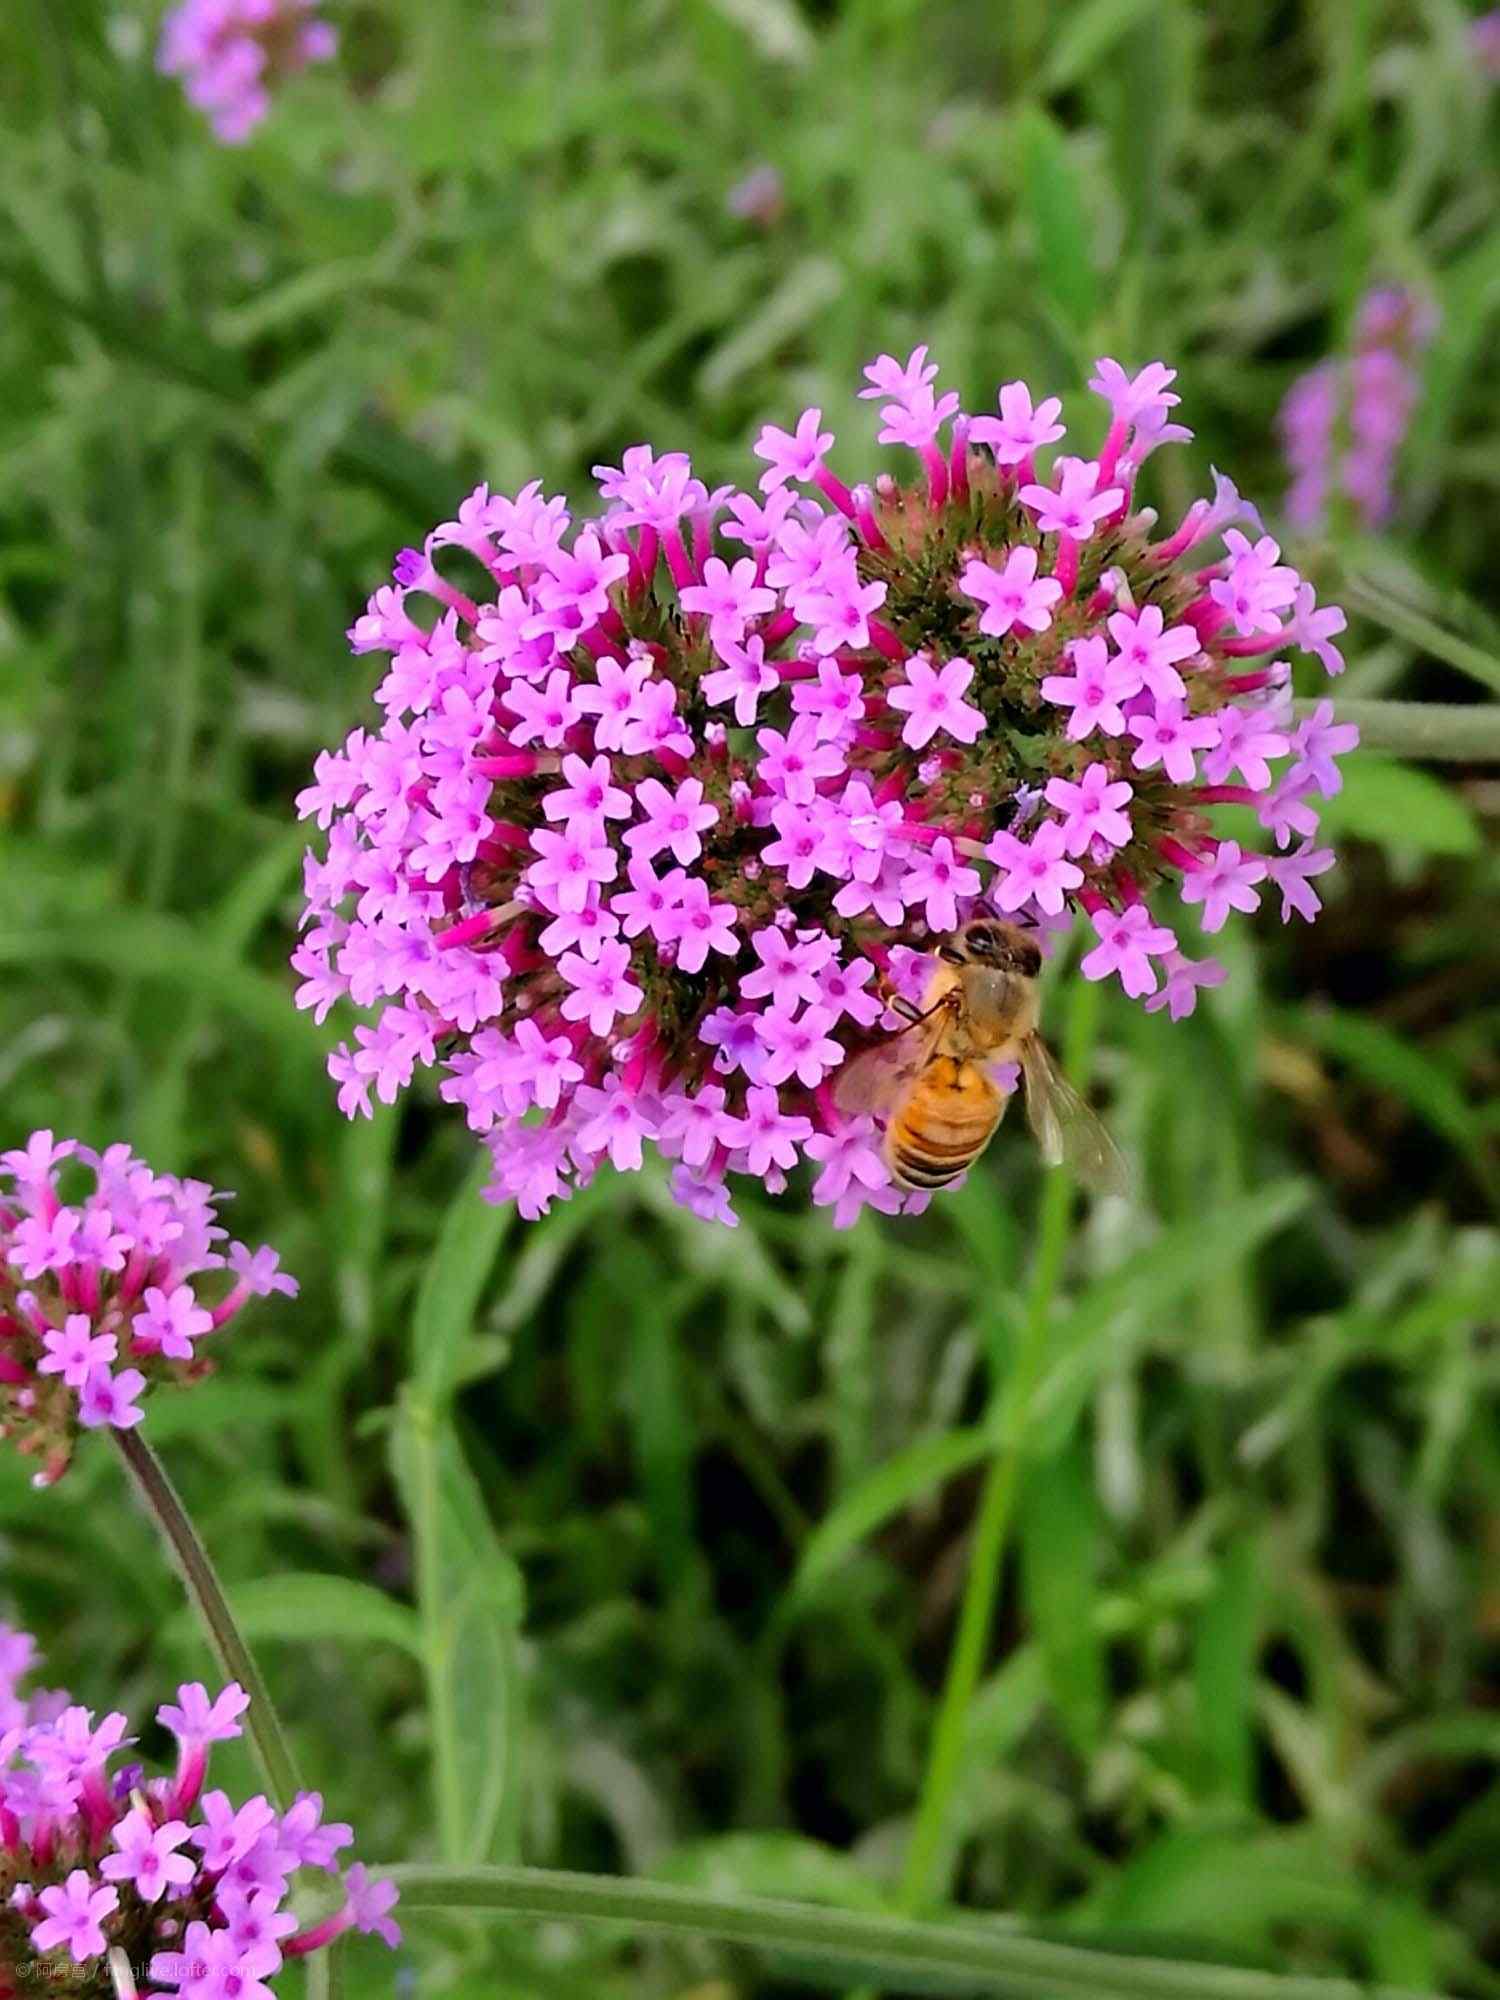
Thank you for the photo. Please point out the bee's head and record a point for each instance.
(998, 947)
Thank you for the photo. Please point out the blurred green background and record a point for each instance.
(699, 1502)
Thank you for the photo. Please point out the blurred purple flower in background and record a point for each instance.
(231, 54)
(1342, 423)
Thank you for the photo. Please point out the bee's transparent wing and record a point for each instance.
(1066, 1129)
(871, 1080)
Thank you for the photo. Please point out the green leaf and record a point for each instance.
(1383, 1059)
(1224, 1668)
(469, 1596)
(1401, 808)
(1059, 1537)
(301, 1606)
(1139, 1293)
(1053, 203)
(1088, 33)
(906, 1477)
(456, 1273)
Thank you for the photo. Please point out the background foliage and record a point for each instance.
(615, 1542)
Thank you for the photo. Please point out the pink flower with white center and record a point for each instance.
(614, 1120)
(795, 454)
(650, 903)
(936, 879)
(584, 930)
(656, 730)
(587, 792)
(1257, 586)
(1286, 811)
(794, 763)
(851, 780)
(569, 865)
(770, 1136)
(886, 376)
(703, 926)
(841, 617)
(757, 522)
(673, 820)
(148, 1857)
(1035, 871)
(693, 1125)
(107, 1399)
(733, 1034)
(543, 714)
(915, 418)
(745, 677)
(1248, 740)
(789, 967)
(1137, 399)
(170, 1324)
(812, 554)
(799, 1045)
(1095, 689)
(1075, 506)
(835, 700)
(76, 1911)
(728, 597)
(1128, 941)
(1154, 653)
(602, 988)
(1168, 736)
(1012, 596)
(1226, 882)
(614, 697)
(932, 700)
(195, 1719)
(75, 1351)
(214, 1967)
(1291, 873)
(577, 583)
(543, 1064)
(841, 988)
(1316, 742)
(802, 834)
(1312, 629)
(849, 1159)
(1185, 976)
(647, 491)
(1019, 431)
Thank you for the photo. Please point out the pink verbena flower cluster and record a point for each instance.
(231, 54)
(665, 806)
(1484, 41)
(100, 1293)
(155, 1872)
(1342, 423)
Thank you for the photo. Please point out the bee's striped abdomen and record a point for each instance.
(946, 1122)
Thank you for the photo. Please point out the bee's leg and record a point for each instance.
(913, 1017)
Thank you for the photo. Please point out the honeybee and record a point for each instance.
(932, 1080)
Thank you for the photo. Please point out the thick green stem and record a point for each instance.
(206, 1595)
(990, 1957)
(922, 1878)
(1452, 732)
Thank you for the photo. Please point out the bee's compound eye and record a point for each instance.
(982, 941)
(1028, 960)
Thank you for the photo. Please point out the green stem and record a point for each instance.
(206, 1595)
(987, 1955)
(923, 1876)
(1453, 732)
